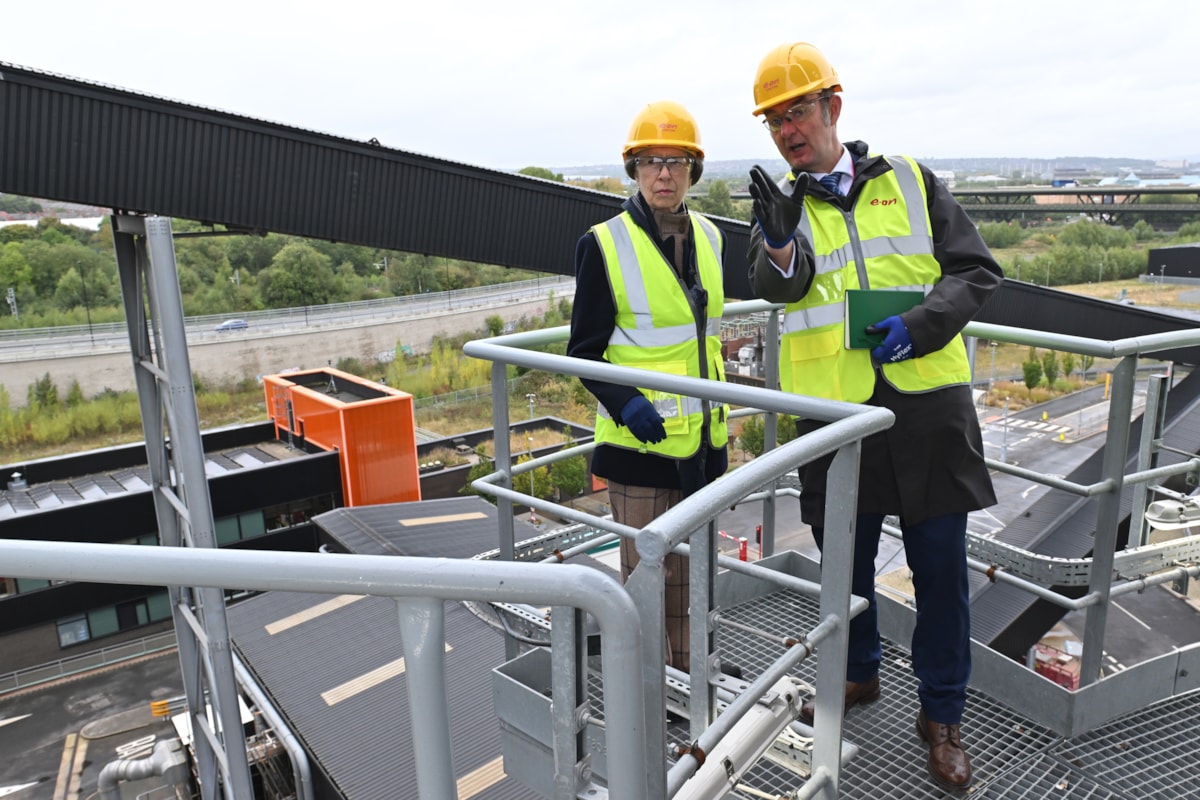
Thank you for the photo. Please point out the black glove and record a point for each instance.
(642, 420)
(777, 214)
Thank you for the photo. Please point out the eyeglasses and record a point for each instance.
(795, 115)
(652, 165)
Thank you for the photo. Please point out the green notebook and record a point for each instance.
(865, 307)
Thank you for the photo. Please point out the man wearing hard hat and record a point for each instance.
(845, 218)
(649, 295)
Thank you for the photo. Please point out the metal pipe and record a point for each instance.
(301, 770)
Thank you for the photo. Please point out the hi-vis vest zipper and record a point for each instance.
(656, 329)
(884, 242)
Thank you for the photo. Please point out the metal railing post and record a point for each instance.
(837, 569)
(1153, 417)
(1108, 512)
(423, 636)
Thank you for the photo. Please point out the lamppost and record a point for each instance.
(86, 305)
(1004, 444)
(529, 438)
(992, 382)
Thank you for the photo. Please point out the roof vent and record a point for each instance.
(17, 481)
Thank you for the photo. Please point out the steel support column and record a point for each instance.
(175, 455)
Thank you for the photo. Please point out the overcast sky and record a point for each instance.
(556, 84)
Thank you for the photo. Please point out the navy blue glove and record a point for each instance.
(897, 344)
(642, 420)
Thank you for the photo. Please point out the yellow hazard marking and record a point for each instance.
(318, 610)
(477, 780)
(408, 523)
(365, 681)
(64, 766)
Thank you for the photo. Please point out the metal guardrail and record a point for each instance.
(419, 586)
(689, 528)
(95, 659)
(630, 617)
(1107, 574)
(112, 335)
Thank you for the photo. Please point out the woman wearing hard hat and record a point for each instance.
(649, 295)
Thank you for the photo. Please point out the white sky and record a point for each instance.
(556, 83)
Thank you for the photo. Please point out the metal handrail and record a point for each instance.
(848, 424)
(411, 582)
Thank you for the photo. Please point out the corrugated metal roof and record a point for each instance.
(356, 727)
(452, 527)
(127, 480)
(333, 666)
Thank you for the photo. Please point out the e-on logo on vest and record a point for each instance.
(890, 201)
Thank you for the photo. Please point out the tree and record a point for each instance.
(569, 476)
(1032, 369)
(752, 437)
(42, 394)
(1068, 364)
(298, 276)
(541, 172)
(14, 269)
(541, 485)
(495, 324)
(1050, 366)
(480, 469)
(610, 185)
(717, 202)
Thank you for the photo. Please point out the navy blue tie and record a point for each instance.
(832, 182)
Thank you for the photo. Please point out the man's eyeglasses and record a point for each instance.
(795, 115)
(652, 165)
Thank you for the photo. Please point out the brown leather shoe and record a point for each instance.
(856, 694)
(949, 765)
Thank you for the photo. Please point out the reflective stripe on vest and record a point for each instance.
(866, 248)
(662, 334)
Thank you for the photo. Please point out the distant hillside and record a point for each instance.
(736, 171)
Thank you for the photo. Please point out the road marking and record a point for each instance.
(64, 766)
(73, 788)
(11, 720)
(1131, 616)
(5, 791)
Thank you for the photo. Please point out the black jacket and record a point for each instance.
(930, 462)
(593, 318)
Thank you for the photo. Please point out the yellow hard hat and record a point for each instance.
(664, 124)
(792, 70)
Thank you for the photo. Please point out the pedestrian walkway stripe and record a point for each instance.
(1034, 424)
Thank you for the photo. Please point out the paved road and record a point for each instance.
(55, 739)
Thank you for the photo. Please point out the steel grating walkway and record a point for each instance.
(1150, 754)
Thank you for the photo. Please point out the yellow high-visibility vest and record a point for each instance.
(884, 242)
(656, 330)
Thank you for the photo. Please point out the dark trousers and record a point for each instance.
(936, 550)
